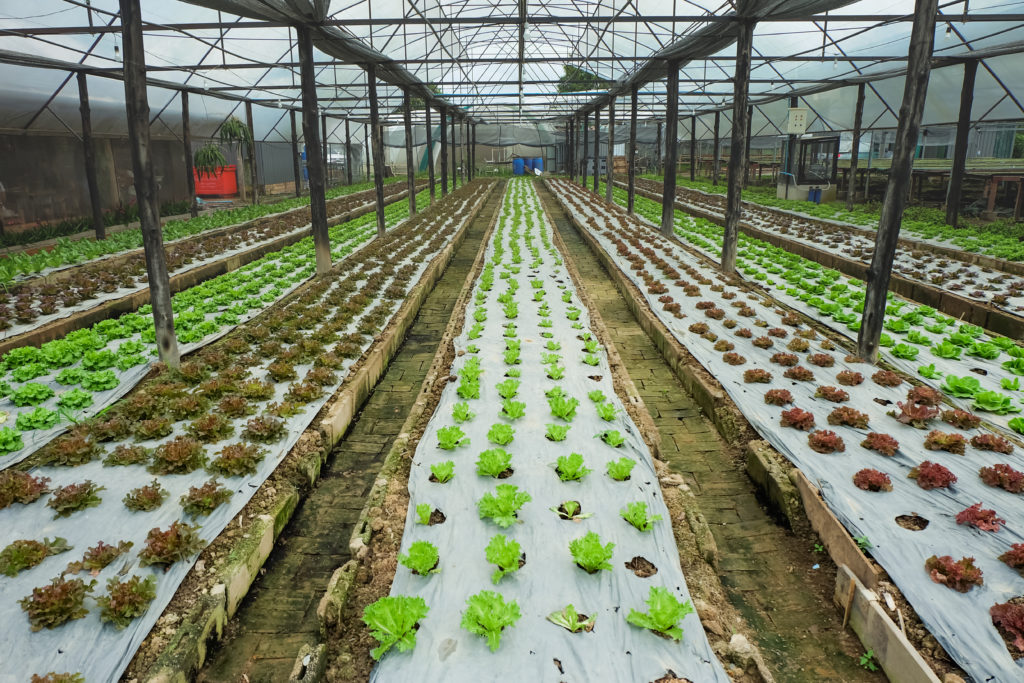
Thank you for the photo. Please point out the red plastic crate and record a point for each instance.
(223, 183)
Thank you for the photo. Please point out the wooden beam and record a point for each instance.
(444, 152)
(716, 154)
(376, 145)
(186, 144)
(790, 153)
(137, 111)
(668, 195)
(746, 146)
(410, 170)
(897, 190)
(631, 153)
(348, 154)
(455, 161)
(738, 143)
(570, 170)
(963, 129)
(858, 119)
(586, 147)
(89, 150)
(296, 170)
(430, 154)
(314, 152)
(252, 152)
(472, 152)
(693, 147)
(610, 152)
(657, 150)
(366, 148)
(323, 144)
(597, 146)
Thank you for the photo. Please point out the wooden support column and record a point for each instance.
(858, 119)
(963, 129)
(746, 148)
(570, 171)
(410, 171)
(693, 147)
(186, 144)
(915, 89)
(463, 150)
(296, 171)
(657, 149)
(597, 147)
(790, 153)
(610, 153)
(137, 111)
(376, 145)
(631, 153)
(366, 148)
(444, 152)
(738, 143)
(252, 152)
(348, 154)
(717, 152)
(89, 150)
(455, 161)
(430, 154)
(314, 152)
(472, 152)
(323, 142)
(586, 147)
(668, 190)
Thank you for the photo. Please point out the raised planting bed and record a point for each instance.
(46, 307)
(821, 418)
(103, 362)
(978, 370)
(176, 461)
(537, 493)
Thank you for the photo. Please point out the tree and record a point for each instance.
(577, 80)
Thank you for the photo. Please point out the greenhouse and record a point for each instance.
(632, 341)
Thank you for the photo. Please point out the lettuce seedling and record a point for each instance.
(392, 621)
(620, 469)
(126, 601)
(612, 437)
(569, 619)
(591, 359)
(597, 396)
(555, 372)
(590, 554)
(563, 407)
(25, 554)
(1010, 384)
(506, 554)
(513, 410)
(487, 614)
(423, 511)
(443, 471)
(664, 612)
(606, 411)
(493, 462)
(929, 372)
(468, 388)
(448, 438)
(994, 402)
(508, 389)
(570, 510)
(422, 558)
(462, 413)
(961, 387)
(570, 468)
(502, 505)
(637, 515)
(553, 346)
(511, 357)
(557, 432)
(500, 434)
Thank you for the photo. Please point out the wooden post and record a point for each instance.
(323, 141)
(252, 152)
(89, 149)
(790, 153)
(455, 162)
(657, 150)
(597, 147)
(631, 152)
(376, 145)
(186, 143)
(296, 171)
(444, 152)
(746, 148)
(717, 152)
(348, 154)
(472, 153)
(569, 171)
(410, 172)
(314, 152)
(668, 189)
(858, 118)
(693, 147)
(610, 153)
(430, 154)
(586, 147)
(737, 145)
(366, 148)
(896, 194)
(963, 129)
(137, 111)
(463, 150)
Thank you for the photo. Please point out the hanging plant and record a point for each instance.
(209, 160)
(234, 131)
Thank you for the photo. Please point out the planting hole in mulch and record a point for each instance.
(427, 574)
(436, 517)
(506, 473)
(980, 371)
(642, 567)
(1008, 637)
(913, 522)
(671, 677)
(882, 401)
(453, 378)
(596, 378)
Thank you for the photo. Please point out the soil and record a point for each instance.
(436, 517)
(642, 567)
(913, 522)
(670, 677)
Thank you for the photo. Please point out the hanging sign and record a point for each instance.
(797, 124)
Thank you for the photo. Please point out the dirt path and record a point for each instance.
(279, 614)
(767, 571)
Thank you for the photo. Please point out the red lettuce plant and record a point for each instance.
(54, 677)
(983, 519)
(941, 441)
(931, 475)
(264, 429)
(699, 328)
(125, 601)
(844, 415)
(20, 487)
(925, 396)
(1014, 557)
(744, 332)
(777, 332)
(733, 358)
(961, 419)
(98, 557)
(849, 378)
(238, 459)
(872, 480)
(786, 360)
(181, 455)
(145, 498)
(763, 342)
(991, 442)
(822, 360)
(881, 443)
(202, 500)
(74, 497)
(778, 397)
(799, 373)
(1003, 476)
(960, 575)
(723, 345)
(1008, 617)
(181, 541)
(825, 441)
(834, 394)
(887, 378)
(797, 419)
(798, 345)
(915, 415)
(52, 605)
(210, 427)
(757, 376)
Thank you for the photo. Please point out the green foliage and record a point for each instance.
(569, 619)
(612, 437)
(392, 621)
(563, 407)
(10, 441)
(505, 553)
(637, 515)
(621, 469)
(664, 612)
(867, 661)
(25, 554)
(961, 387)
(208, 159)
(448, 438)
(606, 411)
(576, 79)
(443, 471)
(597, 396)
(76, 399)
(994, 402)
(422, 558)
(235, 131)
(502, 505)
(571, 468)
(513, 410)
(555, 372)
(947, 350)
(590, 554)
(929, 372)
(126, 601)
(905, 351)
(101, 380)
(508, 388)
(493, 462)
(557, 432)
(423, 512)
(500, 434)
(487, 614)
(468, 388)
(30, 394)
(461, 412)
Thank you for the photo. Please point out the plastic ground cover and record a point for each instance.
(960, 622)
(95, 649)
(549, 580)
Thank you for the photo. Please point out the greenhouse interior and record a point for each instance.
(619, 341)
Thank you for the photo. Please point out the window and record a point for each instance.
(817, 161)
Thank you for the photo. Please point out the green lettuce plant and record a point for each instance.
(443, 471)
(505, 553)
(664, 612)
(557, 432)
(563, 407)
(422, 558)
(501, 434)
(590, 554)
(423, 512)
(612, 437)
(994, 402)
(502, 506)
(571, 468)
(461, 412)
(493, 462)
(961, 387)
(449, 438)
(513, 410)
(621, 469)
(392, 620)
(569, 619)
(487, 614)
(637, 515)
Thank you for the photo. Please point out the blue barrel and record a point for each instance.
(517, 167)
(529, 164)
(538, 163)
